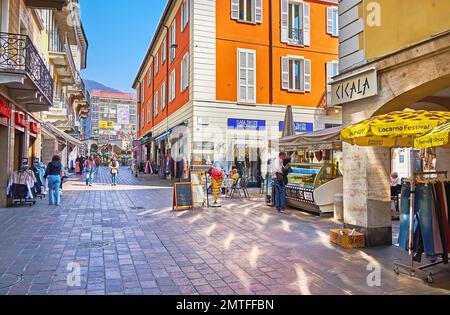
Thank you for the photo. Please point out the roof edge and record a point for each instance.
(155, 36)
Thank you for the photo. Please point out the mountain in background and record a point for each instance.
(92, 85)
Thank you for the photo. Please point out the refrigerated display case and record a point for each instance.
(312, 187)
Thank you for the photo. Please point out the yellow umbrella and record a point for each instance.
(437, 137)
(396, 129)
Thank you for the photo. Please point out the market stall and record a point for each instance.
(316, 160)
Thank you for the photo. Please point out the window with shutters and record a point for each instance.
(156, 104)
(332, 21)
(149, 76)
(249, 11)
(185, 72)
(296, 74)
(295, 23)
(163, 51)
(163, 96)
(184, 14)
(246, 76)
(172, 85)
(332, 71)
(156, 63)
(173, 41)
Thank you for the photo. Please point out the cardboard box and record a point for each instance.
(343, 238)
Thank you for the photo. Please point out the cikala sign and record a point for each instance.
(356, 87)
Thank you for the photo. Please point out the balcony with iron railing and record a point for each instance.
(296, 36)
(24, 72)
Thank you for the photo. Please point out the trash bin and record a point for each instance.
(339, 207)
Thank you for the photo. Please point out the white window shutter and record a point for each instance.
(235, 9)
(284, 21)
(306, 25)
(242, 68)
(307, 75)
(251, 76)
(285, 73)
(258, 11)
(329, 72)
(329, 20)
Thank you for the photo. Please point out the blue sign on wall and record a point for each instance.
(246, 124)
(299, 127)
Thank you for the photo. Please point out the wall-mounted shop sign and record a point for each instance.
(358, 86)
(299, 127)
(246, 124)
(5, 110)
(204, 146)
(103, 124)
(19, 119)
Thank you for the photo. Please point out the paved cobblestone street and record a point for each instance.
(127, 240)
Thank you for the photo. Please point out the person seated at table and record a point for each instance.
(234, 175)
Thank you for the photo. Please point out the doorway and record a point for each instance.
(18, 147)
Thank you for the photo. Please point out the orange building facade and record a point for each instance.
(237, 65)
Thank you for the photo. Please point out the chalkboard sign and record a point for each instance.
(183, 196)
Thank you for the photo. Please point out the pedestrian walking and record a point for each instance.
(90, 171)
(114, 167)
(279, 179)
(53, 174)
(82, 165)
(63, 177)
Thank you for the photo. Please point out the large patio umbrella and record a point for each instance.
(438, 137)
(393, 130)
(397, 130)
(289, 127)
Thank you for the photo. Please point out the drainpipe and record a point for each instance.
(168, 47)
(270, 53)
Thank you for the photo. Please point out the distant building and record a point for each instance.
(224, 72)
(113, 119)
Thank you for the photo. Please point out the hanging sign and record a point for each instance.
(20, 119)
(34, 127)
(5, 110)
(356, 87)
(183, 196)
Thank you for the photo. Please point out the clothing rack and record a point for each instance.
(23, 201)
(411, 269)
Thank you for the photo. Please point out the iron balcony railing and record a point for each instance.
(19, 55)
(296, 36)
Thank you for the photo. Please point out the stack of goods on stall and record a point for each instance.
(431, 220)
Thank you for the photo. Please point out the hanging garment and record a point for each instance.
(443, 208)
(436, 231)
(440, 223)
(424, 214)
(404, 216)
(21, 185)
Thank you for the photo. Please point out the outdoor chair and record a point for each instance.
(241, 185)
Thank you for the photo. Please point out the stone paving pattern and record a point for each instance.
(242, 248)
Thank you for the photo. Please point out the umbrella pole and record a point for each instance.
(411, 209)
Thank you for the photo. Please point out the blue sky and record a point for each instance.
(119, 33)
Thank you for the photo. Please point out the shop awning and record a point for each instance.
(325, 139)
(51, 129)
